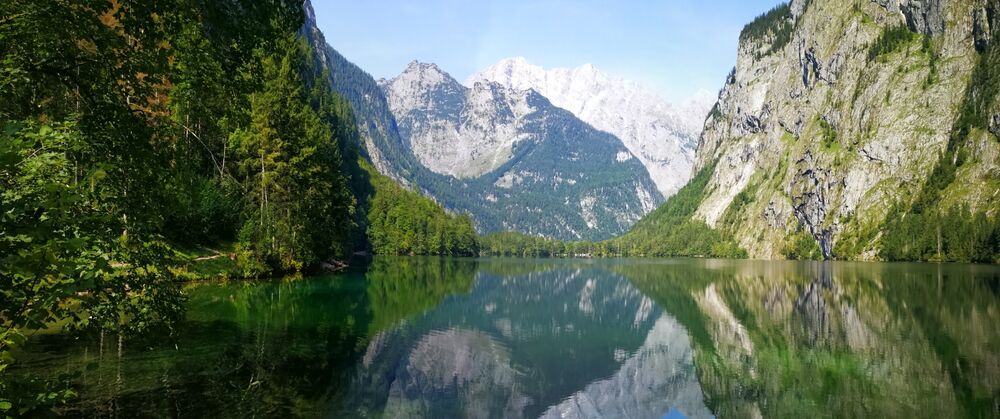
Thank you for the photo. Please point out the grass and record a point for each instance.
(201, 263)
(827, 133)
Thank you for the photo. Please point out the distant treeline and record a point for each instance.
(671, 230)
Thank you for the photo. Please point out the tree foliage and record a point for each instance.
(402, 222)
(775, 26)
(891, 40)
(954, 235)
(129, 128)
(802, 246)
(85, 146)
(299, 207)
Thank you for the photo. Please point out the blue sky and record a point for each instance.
(673, 46)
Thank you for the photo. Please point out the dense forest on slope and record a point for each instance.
(403, 222)
(671, 230)
(131, 130)
(932, 228)
(775, 27)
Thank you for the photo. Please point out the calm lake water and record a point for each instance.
(442, 338)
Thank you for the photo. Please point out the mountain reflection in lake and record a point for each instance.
(422, 337)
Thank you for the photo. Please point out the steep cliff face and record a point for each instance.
(381, 143)
(838, 112)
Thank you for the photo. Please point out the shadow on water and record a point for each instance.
(428, 337)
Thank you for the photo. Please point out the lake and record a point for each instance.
(427, 337)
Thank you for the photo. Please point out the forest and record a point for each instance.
(134, 130)
(929, 227)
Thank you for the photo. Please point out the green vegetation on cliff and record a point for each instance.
(934, 227)
(672, 230)
(890, 40)
(776, 26)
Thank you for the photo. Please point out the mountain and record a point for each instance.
(859, 130)
(380, 141)
(457, 131)
(515, 161)
(550, 174)
(663, 136)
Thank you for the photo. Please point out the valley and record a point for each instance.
(215, 209)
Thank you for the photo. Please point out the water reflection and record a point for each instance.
(839, 340)
(416, 337)
(559, 340)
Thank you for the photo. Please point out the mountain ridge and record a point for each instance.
(530, 191)
(661, 134)
(513, 149)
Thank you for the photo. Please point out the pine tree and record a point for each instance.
(299, 208)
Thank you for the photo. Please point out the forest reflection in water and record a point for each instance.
(428, 337)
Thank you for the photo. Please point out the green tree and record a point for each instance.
(81, 177)
(298, 205)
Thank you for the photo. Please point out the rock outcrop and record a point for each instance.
(458, 131)
(827, 133)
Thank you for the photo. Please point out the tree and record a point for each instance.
(298, 205)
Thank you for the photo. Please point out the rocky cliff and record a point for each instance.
(381, 144)
(454, 130)
(843, 116)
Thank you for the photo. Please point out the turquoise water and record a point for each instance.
(424, 337)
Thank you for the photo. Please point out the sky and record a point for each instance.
(675, 47)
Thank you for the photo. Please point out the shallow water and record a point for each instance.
(424, 337)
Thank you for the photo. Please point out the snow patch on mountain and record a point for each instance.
(662, 135)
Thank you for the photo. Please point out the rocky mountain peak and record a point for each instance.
(661, 134)
(424, 87)
(513, 64)
(517, 155)
(425, 74)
